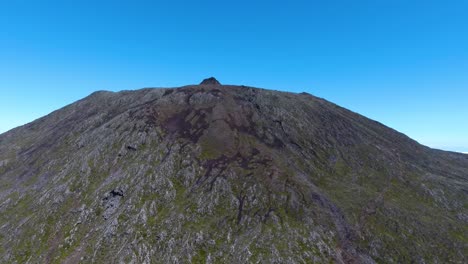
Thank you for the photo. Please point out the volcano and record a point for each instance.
(214, 173)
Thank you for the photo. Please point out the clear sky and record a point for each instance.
(403, 63)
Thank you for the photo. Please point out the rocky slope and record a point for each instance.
(214, 173)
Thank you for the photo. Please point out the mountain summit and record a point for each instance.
(212, 173)
(210, 81)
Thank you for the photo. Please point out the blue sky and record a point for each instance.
(403, 63)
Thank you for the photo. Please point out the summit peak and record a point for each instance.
(210, 81)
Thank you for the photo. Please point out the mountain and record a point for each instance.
(215, 173)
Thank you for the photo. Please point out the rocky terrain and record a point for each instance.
(215, 173)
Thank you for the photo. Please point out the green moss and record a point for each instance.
(341, 168)
(75, 184)
(200, 257)
(98, 211)
(180, 193)
(209, 150)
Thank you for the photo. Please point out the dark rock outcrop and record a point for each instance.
(210, 81)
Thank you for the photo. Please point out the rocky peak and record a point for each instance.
(210, 81)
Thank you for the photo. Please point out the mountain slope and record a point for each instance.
(216, 173)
